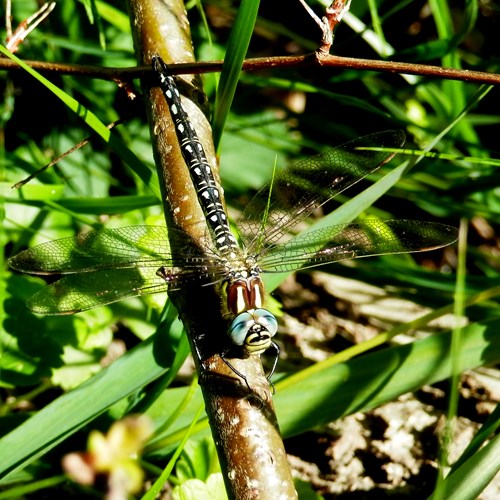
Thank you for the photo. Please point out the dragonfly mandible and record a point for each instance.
(101, 267)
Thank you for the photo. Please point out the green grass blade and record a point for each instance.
(233, 61)
(488, 429)
(469, 480)
(457, 339)
(70, 412)
(162, 479)
(338, 390)
(375, 378)
(113, 16)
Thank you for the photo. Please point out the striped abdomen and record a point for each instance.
(196, 160)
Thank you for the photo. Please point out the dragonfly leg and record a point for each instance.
(268, 376)
(237, 372)
(276, 348)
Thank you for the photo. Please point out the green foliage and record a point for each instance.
(198, 460)
(52, 374)
(194, 489)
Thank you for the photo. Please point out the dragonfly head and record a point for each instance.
(253, 330)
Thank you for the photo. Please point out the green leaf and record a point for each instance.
(113, 16)
(241, 173)
(26, 358)
(93, 334)
(197, 460)
(109, 205)
(194, 489)
(72, 411)
(471, 478)
(32, 192)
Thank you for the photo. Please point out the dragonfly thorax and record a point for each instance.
(244, 293)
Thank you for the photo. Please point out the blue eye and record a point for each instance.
(240, 327)
(267, 320)
(254, 322)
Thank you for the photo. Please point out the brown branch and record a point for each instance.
(260, 63)
(243, 423)
(410, 69)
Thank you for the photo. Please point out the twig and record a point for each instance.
(123, 75)
(82, 143)
(27, 26)
(329, 22)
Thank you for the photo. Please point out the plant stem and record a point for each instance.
(241, 413)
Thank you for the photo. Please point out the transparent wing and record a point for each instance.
(126, 247)
(102, 267)
(300, 189)
(79, 292)
(349, 241)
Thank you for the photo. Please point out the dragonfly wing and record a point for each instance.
(349, 241)
(82, 291)
(300, 189)
(133, 246)
(79, 292)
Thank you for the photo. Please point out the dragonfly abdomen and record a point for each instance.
(196, 160)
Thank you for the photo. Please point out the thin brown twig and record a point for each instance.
(121, 75)
(8, 19)
(69, 151)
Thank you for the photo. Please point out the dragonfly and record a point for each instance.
(105, 266)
